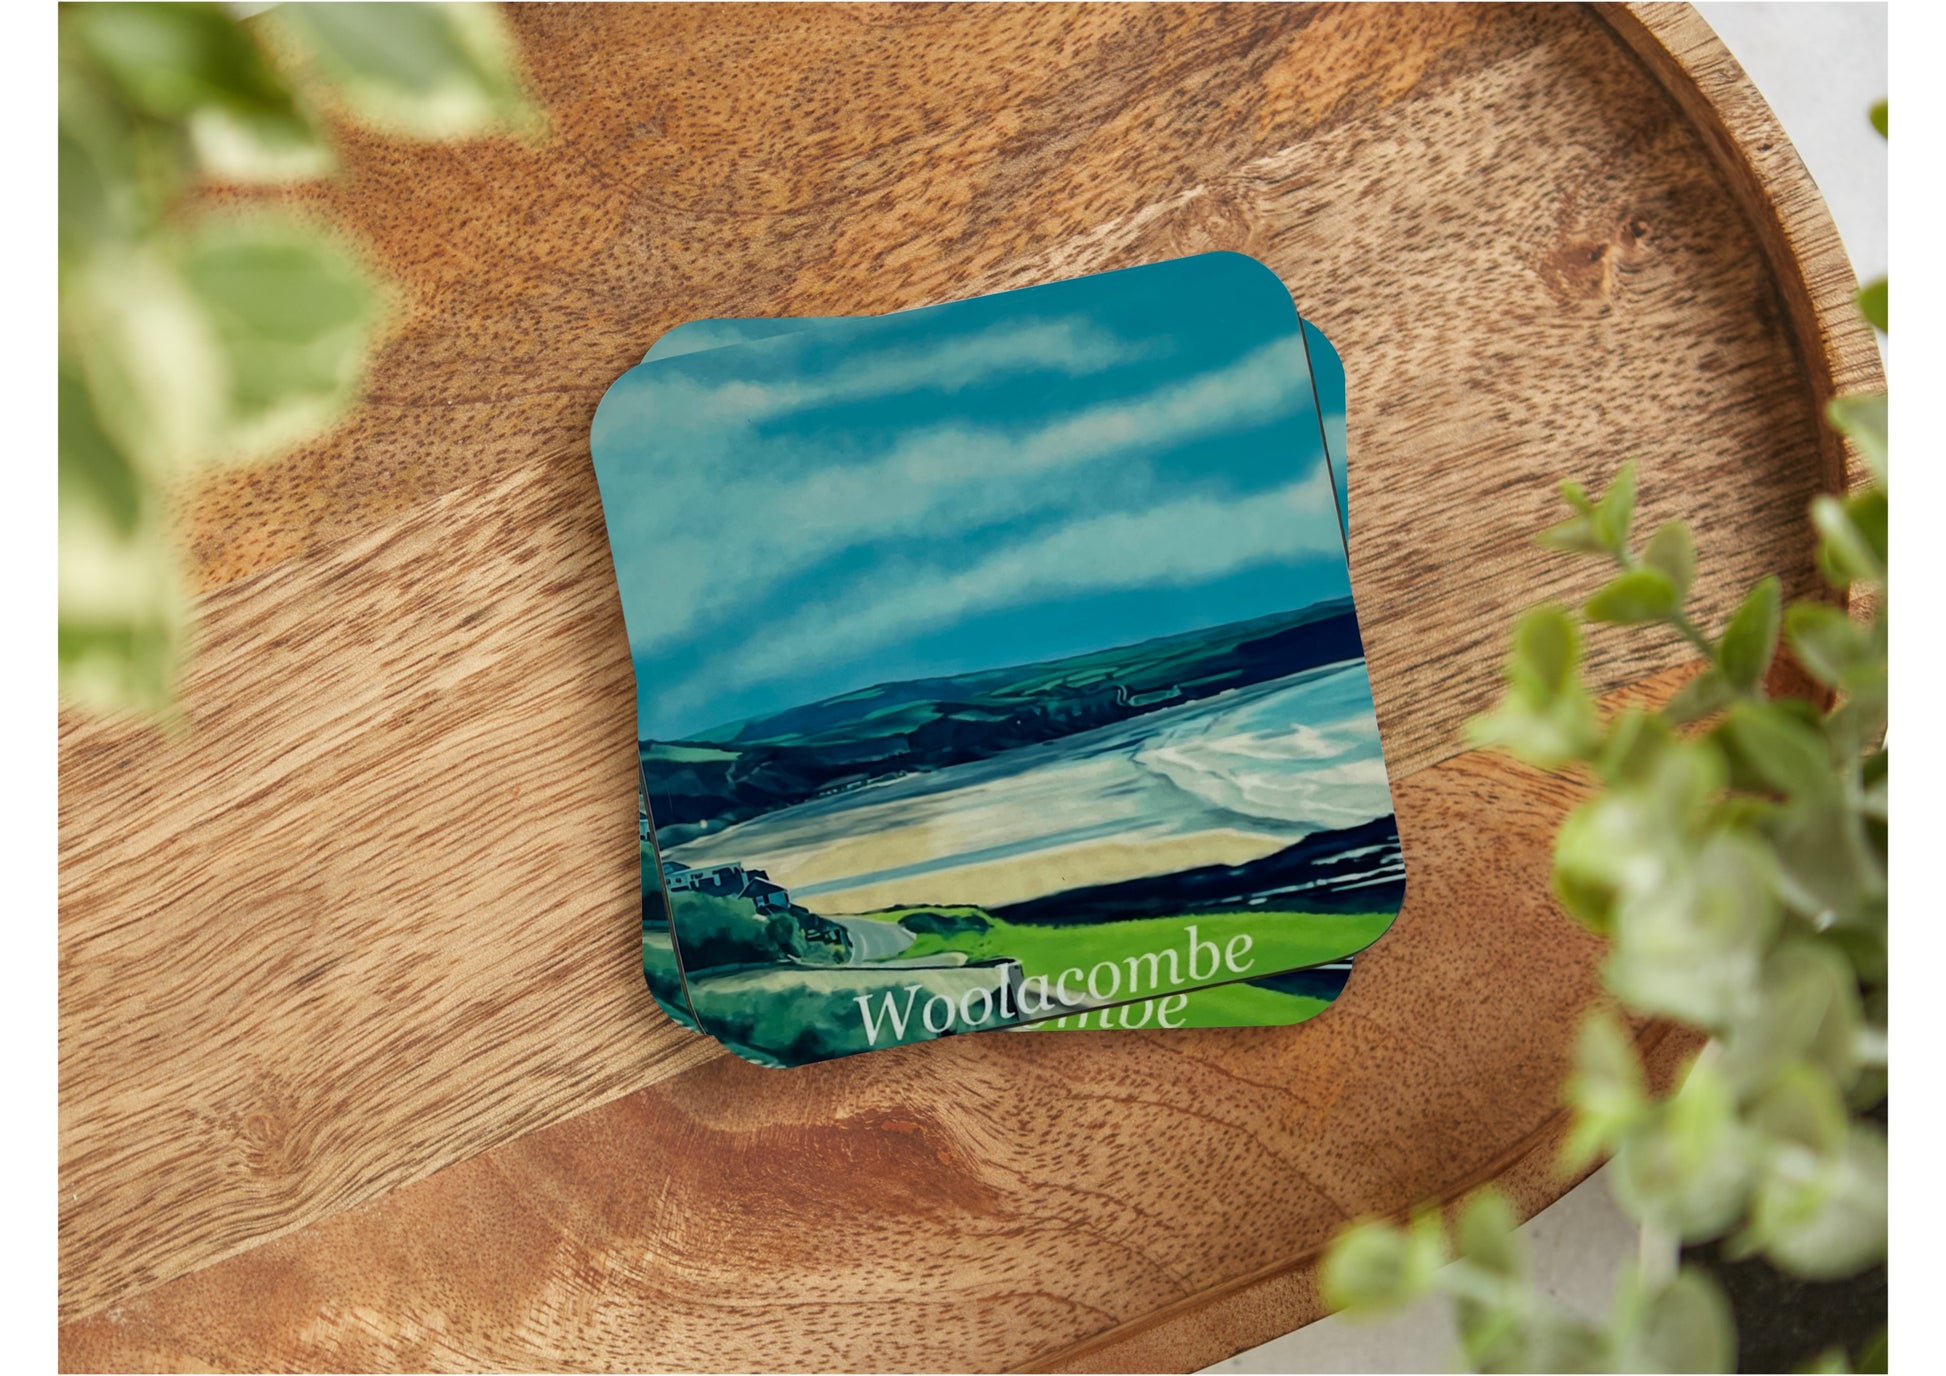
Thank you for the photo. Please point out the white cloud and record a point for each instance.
(716, 517)
(1190, 540)
(676, 401)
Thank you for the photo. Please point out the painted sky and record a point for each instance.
(1014, 478)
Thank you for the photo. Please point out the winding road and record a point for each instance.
(874, 940)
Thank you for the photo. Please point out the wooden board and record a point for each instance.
(357, 1068)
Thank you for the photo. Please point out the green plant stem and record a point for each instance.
(1678, 621)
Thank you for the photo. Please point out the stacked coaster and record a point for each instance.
(997, 667)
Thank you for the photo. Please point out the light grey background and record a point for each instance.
(1820, 65)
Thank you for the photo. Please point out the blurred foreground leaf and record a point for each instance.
(430, 71)
(191, 339)
(293, 317)
(1871, 300)
(1731, 848)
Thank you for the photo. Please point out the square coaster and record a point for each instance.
(996, 663)
(1276, 1000)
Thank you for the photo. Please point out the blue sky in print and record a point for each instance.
(1014, 478)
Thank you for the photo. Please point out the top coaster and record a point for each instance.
(1278, 999)
(996, 661)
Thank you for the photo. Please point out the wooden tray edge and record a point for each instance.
(1210, 1327)
(1835, 346)
(1838, 352)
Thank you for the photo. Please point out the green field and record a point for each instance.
(1279, 941)
(1222, 1005)
(774, 1004)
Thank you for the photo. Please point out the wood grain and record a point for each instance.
(358, 922)
(348, 977)
(1019, 1193)
(1779, 201)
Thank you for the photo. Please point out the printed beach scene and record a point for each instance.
(997, 666)
(1275, 1001)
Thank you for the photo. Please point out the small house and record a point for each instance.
(727, 881)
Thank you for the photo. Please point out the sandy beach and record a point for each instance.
(995, 882)
(1223, 780)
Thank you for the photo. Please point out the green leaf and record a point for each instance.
(294, 316)
(1692, 922)
(101, 195)
(1800, 1106)
(170, 60)
(1576, 535)
(1830, 1362)
(120, 614)
(1750, 640)
(1742, 812)
(1858, 723)
(1804, 710)
(1687, 1172)
(1826, 873)
(1822, 1215)
(1559, 1345)
(1745, 777)
(435, 71)
(1488, 1235)
(1364, 1268)
(1863, 950)
(1790, 756)
(1576, 496)
(1610, 843)
(278, 280)
(112, 667)
(1708, 692)
(1588, 901)
(1616, 510)
(1671, 551)
(1583, 880)
(1871, 303)
(1686, 1326)
(244, 147)
(193, 66)
(1638, 595)
(1546, 653)
(1547, 736)
(1870, 517)
(1847, 552)
(146, 351)
(1606, 1091)
(1636, 740)
(1828, 643)
(1372, 1267)
(1493, 1337)
(1865, 419)
(1547, 717)
(1874, 784)
(1878, 119)
(1807, 1012)
(93, 468)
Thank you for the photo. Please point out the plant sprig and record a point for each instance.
(190, 339)
(1734, 856)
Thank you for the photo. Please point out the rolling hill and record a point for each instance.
(1358, 869)
(743, 769)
